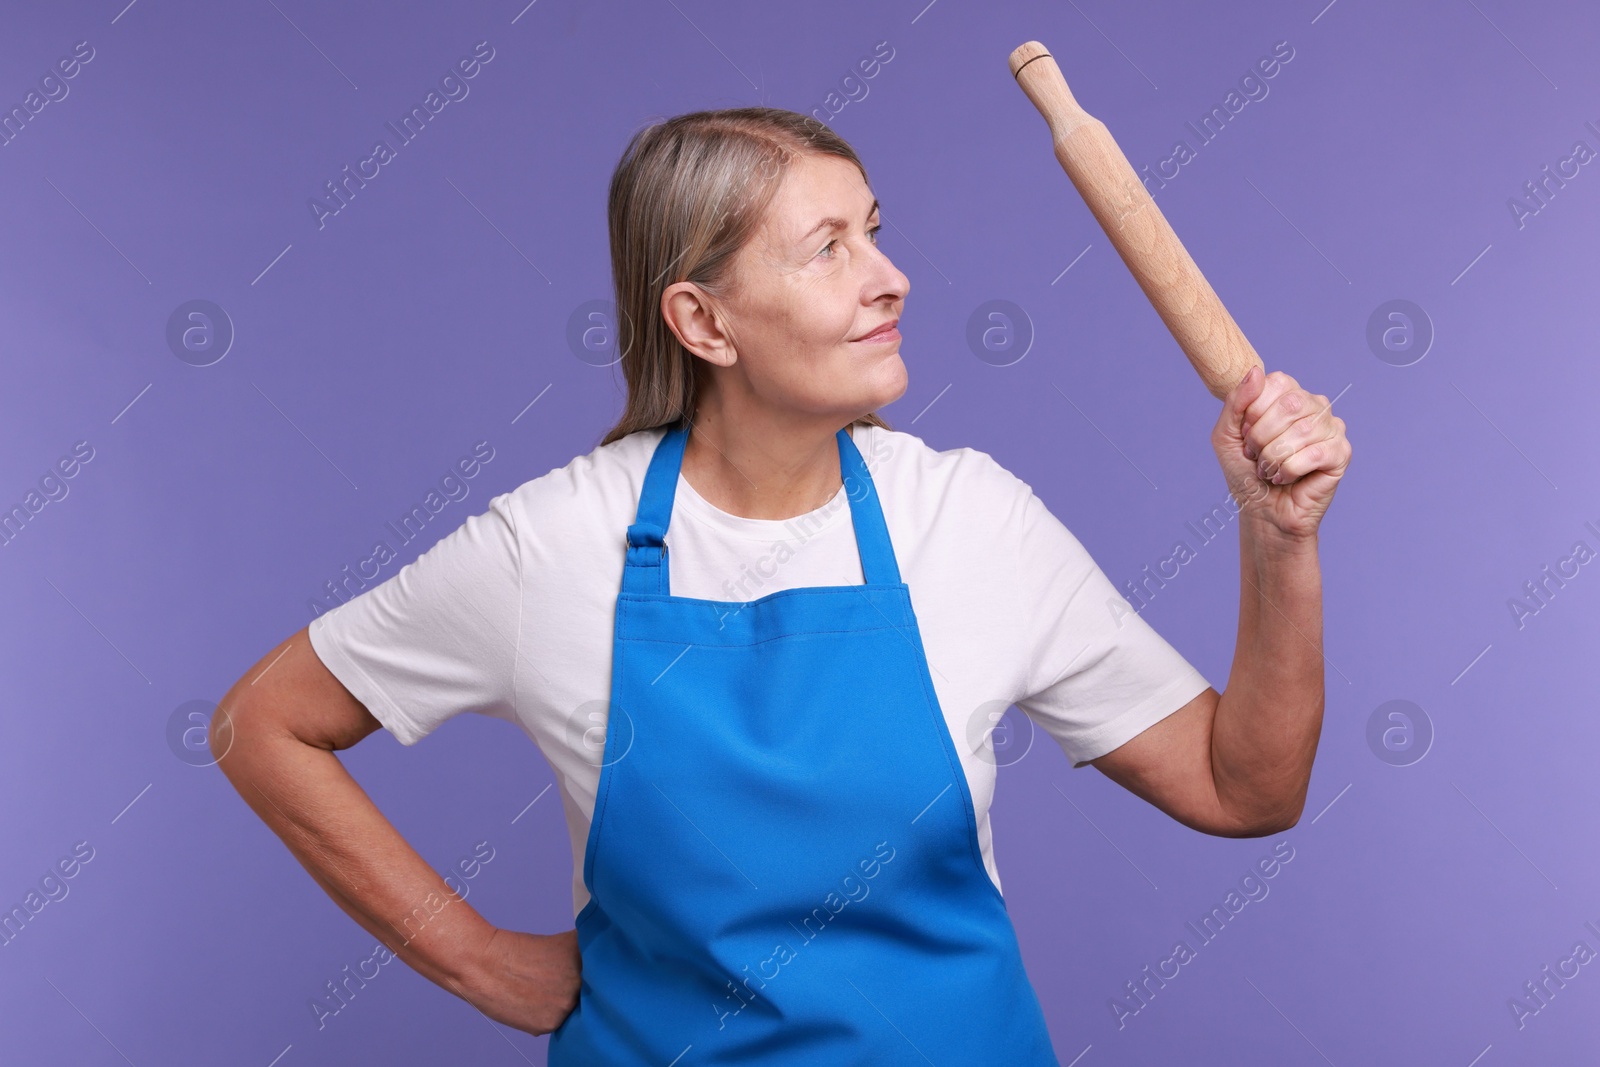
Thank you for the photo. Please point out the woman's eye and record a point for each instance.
(873, 233)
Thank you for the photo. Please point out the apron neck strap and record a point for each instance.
(645, 568)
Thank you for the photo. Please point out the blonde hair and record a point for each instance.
(682, 204)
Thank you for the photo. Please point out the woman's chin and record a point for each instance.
(891, 378)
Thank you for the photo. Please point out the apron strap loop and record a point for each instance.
(645, 570)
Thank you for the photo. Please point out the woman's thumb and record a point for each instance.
(1239, 399)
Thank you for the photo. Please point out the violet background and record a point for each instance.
(433, 311)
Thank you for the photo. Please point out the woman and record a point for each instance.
(777, 775)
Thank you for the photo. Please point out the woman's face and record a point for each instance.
(809, 286)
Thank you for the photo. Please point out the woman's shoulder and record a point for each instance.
(918, 475)
(596, 489)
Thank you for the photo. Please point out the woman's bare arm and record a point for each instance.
(275, 734)
(1239, 763)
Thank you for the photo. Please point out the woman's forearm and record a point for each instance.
(1268, 721)
(308, 798)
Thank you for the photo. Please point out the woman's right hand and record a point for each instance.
(529, 981)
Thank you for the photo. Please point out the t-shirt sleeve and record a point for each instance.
(1098, 673)
(439, 636)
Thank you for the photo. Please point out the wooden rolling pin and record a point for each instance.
(1215, 345)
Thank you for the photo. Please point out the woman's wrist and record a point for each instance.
(1270, 543)
(468, 970)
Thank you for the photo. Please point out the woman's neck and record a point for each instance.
(762, 469)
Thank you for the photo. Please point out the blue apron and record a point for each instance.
(783, 862)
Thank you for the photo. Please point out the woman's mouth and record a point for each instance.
(883, 334)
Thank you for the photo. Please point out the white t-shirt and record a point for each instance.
(511, 614)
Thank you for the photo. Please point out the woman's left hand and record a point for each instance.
(1282, 450)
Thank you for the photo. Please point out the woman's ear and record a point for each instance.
(689, 314)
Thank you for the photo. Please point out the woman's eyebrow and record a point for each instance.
(833, 223)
